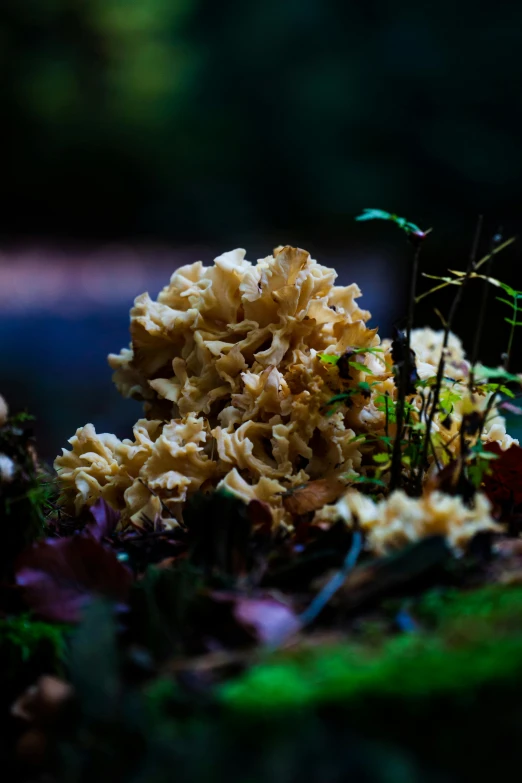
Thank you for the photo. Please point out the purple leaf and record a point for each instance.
(59, 576)
(270, 621)
(105, 520)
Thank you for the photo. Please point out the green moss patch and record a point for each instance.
(475, 638)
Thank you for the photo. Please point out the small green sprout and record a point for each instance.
(409, 228)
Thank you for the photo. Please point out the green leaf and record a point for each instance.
(374, 214)
(505, 301)
(20, 418)
(381, 458)
(361, 367)
(357, 439)
(380, 214)
(371, 349)
(447, 399)
(498, 283)
(481, 371)
(368, 480)
(341, 397)
(31, 636)
(385, 404)
(329, 358)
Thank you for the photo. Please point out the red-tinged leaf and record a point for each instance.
(503, 485)
(59, 577)
(105, 520)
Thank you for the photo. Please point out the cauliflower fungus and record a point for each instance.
(399, 520)
(228, 363)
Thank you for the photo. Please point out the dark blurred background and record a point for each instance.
(151, 133)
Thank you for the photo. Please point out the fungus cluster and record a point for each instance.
(229, 362)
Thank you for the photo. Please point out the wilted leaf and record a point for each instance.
(60, 576)
(313, 496)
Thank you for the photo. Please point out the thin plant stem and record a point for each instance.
(434, 452)
(507, 357)
(483, 306)
(396, 467)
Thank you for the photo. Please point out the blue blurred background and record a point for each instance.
(151, 133)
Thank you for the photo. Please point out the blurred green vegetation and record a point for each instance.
(475, 639)
(191, 119)
(439, 704)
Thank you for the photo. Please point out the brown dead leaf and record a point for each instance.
(313, 496)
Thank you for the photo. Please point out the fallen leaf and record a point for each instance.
(264, 618)
(267, 619)
(60, 576)
(313, 496)
(105, 520)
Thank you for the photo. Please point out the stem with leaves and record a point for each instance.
(431, 413)
(416, 237)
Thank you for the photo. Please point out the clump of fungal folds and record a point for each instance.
(228, 363)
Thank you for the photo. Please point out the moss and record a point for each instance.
(459, 681)
(475, 639)
(25, 638)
